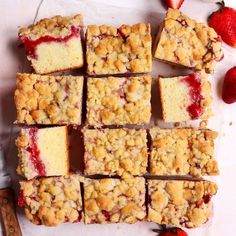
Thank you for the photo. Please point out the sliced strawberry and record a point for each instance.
(224, 23)
(176, 4)
(229, 86)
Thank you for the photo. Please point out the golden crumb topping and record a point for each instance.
(185, 42)
(181, 203)
(48, 99)
(57, 26)
(183, 152)
(118, 101)
(115, 152)
(52, 201)
(116, 51)
(114, 200)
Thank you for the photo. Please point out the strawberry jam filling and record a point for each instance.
(21, 199)
(207, 199)
(106, 215)
(31, 45)
(35, 153)
(193, 81)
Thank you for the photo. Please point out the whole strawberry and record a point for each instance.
(224, 23)
(176, 4)
(229, 86)
(174, 231)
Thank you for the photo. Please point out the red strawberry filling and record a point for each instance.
(194, 83)
(31, 45)
(106, 214)
(207, 198)
(21, 199)
(35, 153)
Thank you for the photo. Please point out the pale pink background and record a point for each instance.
(14, 13)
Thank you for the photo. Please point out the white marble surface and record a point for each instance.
(16, 13)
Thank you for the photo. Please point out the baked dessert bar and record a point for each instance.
(43, 152)
(185, 98)
(54, 44)
(48, 99)
(115, 151)
(183, 41)
(52, 201)
(114, 200)
(118, 101)
(117, 51)
(181, 203)
(183, 151)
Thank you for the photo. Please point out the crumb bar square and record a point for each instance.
(47, 100)
(183, 151)
(185, 98)
(43, 152)
(115, 151)
(54, 44)
(118, 51)
(114, 200)
(181, 203)
(52, 201)
(183, 41)
(118, 101)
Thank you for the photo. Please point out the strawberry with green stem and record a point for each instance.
(223, 22)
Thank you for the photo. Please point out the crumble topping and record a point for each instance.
(57, 26)
(114, 200)
(181, 203)
(115, 152)
(48, 99)
(52, 201)
(182, 152)
(116, 51)
(184, 41)
(118, 101)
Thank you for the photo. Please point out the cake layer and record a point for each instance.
(185, 42)
(183, 152)
(115, 152)
(48, 99)
(52, 201)
(43, 152)
(185, 98)
(117, 51)
(114, 200)
(54, 44)
(180, 203)
(118, 101)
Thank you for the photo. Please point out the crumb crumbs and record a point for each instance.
(230, 123)
(203, 124)
(177, 124)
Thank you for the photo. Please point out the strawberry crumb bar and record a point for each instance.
(185, 98)
(181, 203)
(54, 44)
(182, 152)
(114, 200)
(52, 201)
(183, 41)
(119, 101)
(118, 51)
(43, 152)
(115, 151)
(48, 99)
